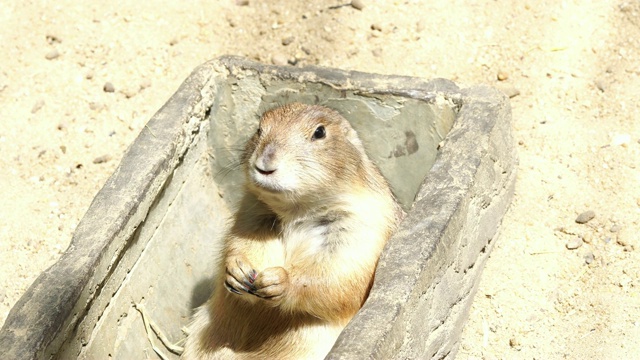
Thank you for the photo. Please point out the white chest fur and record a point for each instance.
(304, 240)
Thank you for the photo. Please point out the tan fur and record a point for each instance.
(299, 260)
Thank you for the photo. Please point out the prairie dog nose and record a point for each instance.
(265, 162)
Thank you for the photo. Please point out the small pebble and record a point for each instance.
(357, 4)
(130, 92)
(514, 343)
(89, 75)
(52, 54)
(295, 60)
(52, 39)
(376, 27)
(626, 238)
(242, 2)
(585, 217)
(600, 85)
(621, 140)
(62, 126)
(279, 59)
(502, 76)
(626, 7)
(589, 257)
(37, 106)
(574, 243)
(96, 106)
(145, 83)
(615, 228)
(108, 87)
(328, 38)
(287, 40)
(377, 52)
(101, 159)
(509, 91)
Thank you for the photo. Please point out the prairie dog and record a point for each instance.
(299, 259)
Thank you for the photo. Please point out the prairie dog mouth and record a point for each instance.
(268, 180)
(265, 172)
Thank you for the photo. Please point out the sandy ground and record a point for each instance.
(576, 66)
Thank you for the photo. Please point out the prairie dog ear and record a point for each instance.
(353, 138)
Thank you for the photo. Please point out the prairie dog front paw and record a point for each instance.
(240, 275)
(271, 284)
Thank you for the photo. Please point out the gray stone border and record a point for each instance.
(429, 271)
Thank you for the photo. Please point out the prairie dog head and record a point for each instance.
(303, 152)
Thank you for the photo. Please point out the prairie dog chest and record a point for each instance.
(309, 239)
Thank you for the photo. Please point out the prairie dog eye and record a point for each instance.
(320, 133)
(259, 131)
